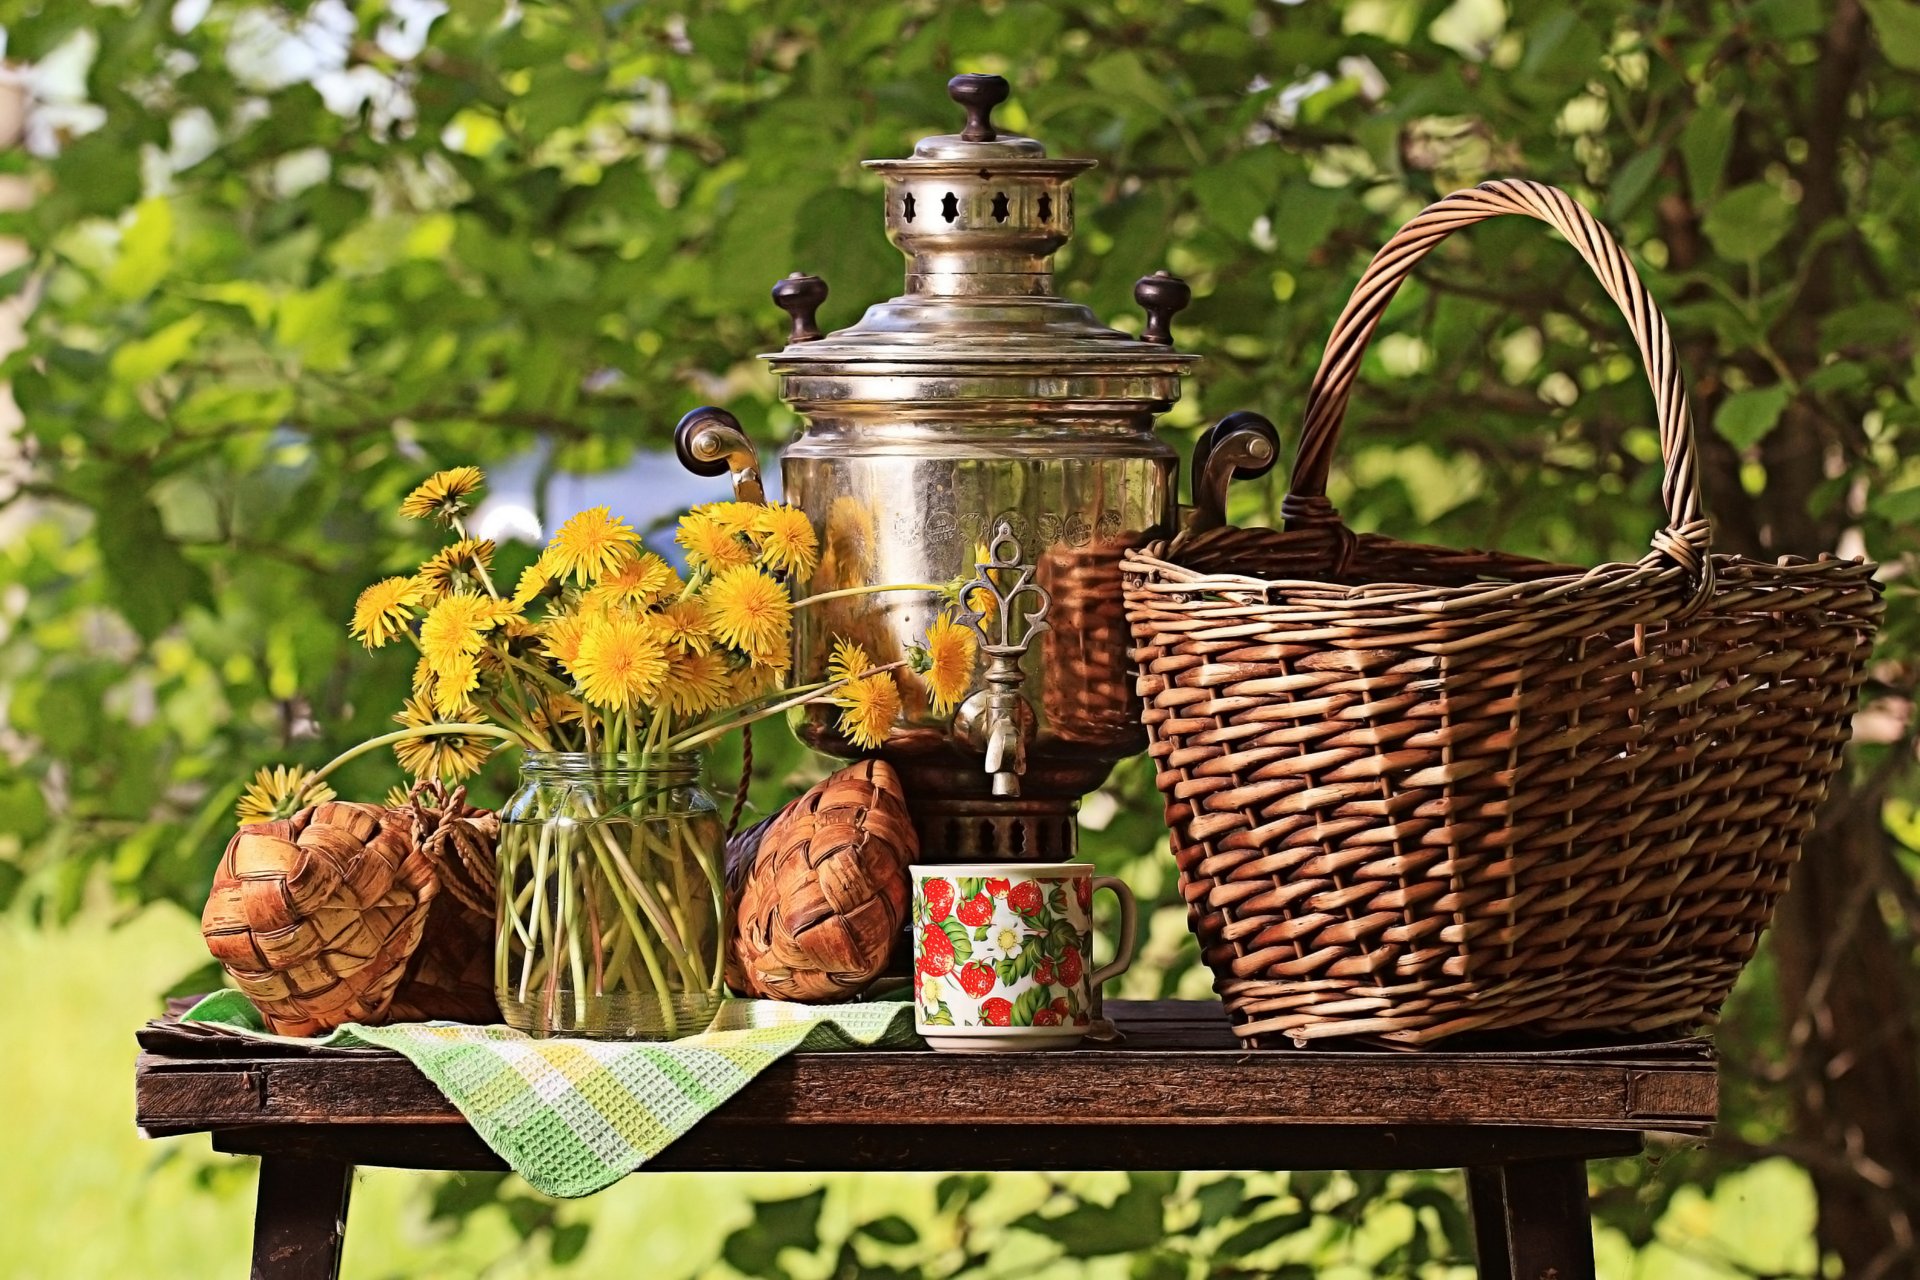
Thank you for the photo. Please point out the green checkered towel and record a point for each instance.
(574, 1116)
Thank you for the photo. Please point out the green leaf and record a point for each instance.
(1220, 1200)
(1745, 417)
(568, 1243)
(1899, 506)
(152, 581)
(1032, 1001)
(137, 361)
(1704, 144)
(1161, 1264)
(1135, 1220)
(1631, 180)
(892, 1229)
(1787, 19)
(777, 1224)
(1897, 23)
(1256, 1236)
(957, 934)
(1235, 194)
(463, 1193)
(146, 250)
(1747, 222)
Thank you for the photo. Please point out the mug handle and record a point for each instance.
(1129, 918)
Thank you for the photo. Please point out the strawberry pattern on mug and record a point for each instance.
(1001, 951)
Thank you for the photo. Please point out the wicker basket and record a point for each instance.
(1416, 792)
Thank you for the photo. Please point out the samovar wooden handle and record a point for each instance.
(709, 442)
(1241, 446)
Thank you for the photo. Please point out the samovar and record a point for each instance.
(977, 426)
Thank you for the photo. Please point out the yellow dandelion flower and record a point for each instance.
(640, 579)
(442, 495)
(697, 683)
(709, 544)
(592, 544)
(398, 796)
(946, 659)
(457, 566)
(684, 625)
(449, 757)
(520, 636)
(277, 792)
(749, 682)
(423, 678)
(734, 517)
(752, 613)
(620, 663)
(787, 541)
(560, 635)
(556, 709)
(457, 627)
(453, 686)
(848, 660)
(869, 706)
(384, 609)
(542, 580)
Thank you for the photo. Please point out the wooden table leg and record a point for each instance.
(1530, 1220)
(300, 1218)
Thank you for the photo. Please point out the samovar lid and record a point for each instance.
(979, 215)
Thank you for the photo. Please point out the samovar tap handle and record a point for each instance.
(709, 442)
(1004, 579)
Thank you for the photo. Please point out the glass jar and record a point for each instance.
(612, 902)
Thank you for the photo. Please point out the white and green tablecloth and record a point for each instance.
(574, 1116)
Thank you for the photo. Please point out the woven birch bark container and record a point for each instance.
(1416, 792)
(820, 890)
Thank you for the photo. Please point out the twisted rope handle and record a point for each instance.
(1687, 538)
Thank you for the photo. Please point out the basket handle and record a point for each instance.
(1687, 538)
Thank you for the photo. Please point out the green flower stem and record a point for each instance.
(571, 884)
(662, 990)
(401, 735)
(726, 719)
(689, 740)
(536, 913)
(844, 592)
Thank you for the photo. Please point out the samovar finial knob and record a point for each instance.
(979, 95)
(801, 296)
(1161, 296)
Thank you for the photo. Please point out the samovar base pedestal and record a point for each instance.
(993, 829)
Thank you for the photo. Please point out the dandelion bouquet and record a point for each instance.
(609, 668)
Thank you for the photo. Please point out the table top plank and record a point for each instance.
(1177, 1066)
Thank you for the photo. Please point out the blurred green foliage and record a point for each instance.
(286, 259)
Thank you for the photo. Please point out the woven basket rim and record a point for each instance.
(1152, 568)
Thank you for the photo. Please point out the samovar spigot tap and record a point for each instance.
(1000, 582)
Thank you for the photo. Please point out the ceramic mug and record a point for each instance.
(1001, 953)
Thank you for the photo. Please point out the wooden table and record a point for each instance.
(1176, 1092)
